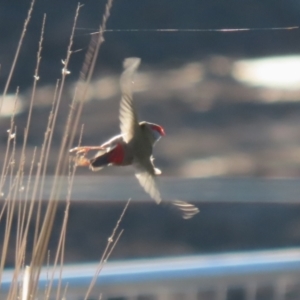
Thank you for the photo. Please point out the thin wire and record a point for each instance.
(194, 30)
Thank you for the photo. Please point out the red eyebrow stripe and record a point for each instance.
(158, 129)
(116, 156)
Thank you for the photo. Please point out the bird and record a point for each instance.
(133, 146)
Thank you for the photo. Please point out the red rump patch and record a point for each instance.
(116, 156)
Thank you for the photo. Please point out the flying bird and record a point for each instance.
(134, 146)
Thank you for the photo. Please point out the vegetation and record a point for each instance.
(23, 188)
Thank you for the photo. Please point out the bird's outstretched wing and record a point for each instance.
(145, 174)
(147, 181)
(128, 116)
(188, 210)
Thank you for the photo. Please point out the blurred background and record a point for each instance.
(229, 103)
(228, 100)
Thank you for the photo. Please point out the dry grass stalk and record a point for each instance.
(24, 194)
(17, 53)
(43, 163)
(111, 243)
(41, 246)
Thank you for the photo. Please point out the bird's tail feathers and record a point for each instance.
(98, 162)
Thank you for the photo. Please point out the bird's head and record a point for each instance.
(155, 131)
